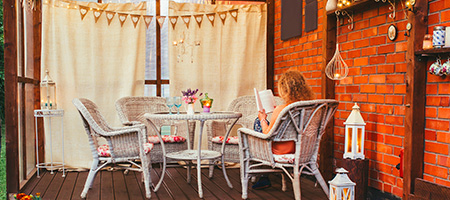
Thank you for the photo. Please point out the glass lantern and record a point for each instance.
(48, 92)
(206, 103)
(354, 135)
(341, 187)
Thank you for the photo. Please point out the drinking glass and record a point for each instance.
(169, 103)
(177, 102)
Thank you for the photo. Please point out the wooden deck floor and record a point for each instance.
(117, 185)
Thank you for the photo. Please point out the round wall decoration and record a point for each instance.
(392, 32)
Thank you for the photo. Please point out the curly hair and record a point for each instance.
(292, 87)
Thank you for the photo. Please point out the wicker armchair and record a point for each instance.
(125, 144)
(131, 111)
(303, 122)
(245, 105)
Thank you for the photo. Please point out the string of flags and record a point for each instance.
(135, 18)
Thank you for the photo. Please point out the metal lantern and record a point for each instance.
(354, 135)
(341, 187)
(48, 92)
(206, 103)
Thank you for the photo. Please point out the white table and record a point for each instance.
(189, 154)
(50, 165)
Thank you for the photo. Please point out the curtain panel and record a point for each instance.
(89, 57)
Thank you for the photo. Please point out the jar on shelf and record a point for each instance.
(438, 36)
(427, 41)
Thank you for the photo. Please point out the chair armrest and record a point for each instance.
(253, 133)
(131, 123)
(124, 130)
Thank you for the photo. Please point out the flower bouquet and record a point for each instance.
(189, 97)
(23, 196)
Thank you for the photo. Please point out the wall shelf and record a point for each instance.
(432, 52)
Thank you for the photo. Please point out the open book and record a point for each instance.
(265, 100)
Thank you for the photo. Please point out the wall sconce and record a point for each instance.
(341, 187)
(354, 135)
(48, 92)
(206, 103)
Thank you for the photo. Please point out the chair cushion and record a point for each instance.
(104, 151)
(284, 158)
(230, 140)
(167, 139)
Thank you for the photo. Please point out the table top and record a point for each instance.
(193, 155)
(48, 113)
(196, 116)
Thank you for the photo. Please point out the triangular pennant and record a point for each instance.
(83, 11)
(122, 18)
(234, 14)
(97, 13)
(109, 16)
(160, 20)
(198, 19)
(173, 20)
(186, 20)
(148, 20)
(211, 17)
(223, 16)
(135, 19)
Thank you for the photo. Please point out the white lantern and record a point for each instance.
(341, 187)
(48, 92)
(354, 135)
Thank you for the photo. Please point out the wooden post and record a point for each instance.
(158, 50)
(270, 54)
(11, 104)
(415, 100)
(358, 172)
(326, 150)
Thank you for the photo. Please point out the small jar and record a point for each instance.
(438, 36)
(427, 41)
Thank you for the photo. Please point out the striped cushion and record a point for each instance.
(104, 151)
(167, 139)
(284, 158)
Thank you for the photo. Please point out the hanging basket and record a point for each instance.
(336, 69)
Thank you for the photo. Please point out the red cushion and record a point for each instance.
(103, 151)
(167, 139)
(230, 140)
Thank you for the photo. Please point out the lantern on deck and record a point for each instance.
(341, 187)
(206, 103)
(48, 92)
(354, 135)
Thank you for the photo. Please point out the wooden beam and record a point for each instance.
(415, 100)
(11, 104)
(326, 150)
(270, 44)
(158, 51)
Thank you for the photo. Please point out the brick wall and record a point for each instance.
(437, 135)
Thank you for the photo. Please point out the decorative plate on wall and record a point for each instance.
(392, 32)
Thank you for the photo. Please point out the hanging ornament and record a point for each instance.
(223, 16)
(211, 17)
(160, 20)
(186, 20)
(83, 11)
(234, 14)
(122, 18)
(97, 13)
(336, 69)
(148, 20)
(135, 19)
(198, 19)
(109, 16)
(173, 20)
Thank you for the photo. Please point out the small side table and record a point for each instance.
(50, 165)
(358, 172)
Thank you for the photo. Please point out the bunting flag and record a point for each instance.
(173, 20)
(135, 19)
(186, 20)
(223, 16)
(109, 16)
(97, 13)
(148, 20)
(160, 20)
(234, 14)
(198, 19)
(211, 17)
(83, 11)
(122, 18)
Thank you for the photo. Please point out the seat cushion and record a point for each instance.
(104, 151)
(284, 158)
(167, 139)
(230, 140)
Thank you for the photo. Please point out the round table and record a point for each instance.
(190, 154)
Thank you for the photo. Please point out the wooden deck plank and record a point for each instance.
(54, 187)
(68, 186)
(45, 181)
(219, 180)
(134, 191)
(79, 185)
(175, 190)
(217, 191)
(120, 188)
(106, 186)
(94, 191)
(180, 180)
(31, 184)
(207, 194)
(164, 190)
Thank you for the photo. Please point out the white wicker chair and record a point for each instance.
(245, 105)
(126, 144)
(131, 111)
(303, 122)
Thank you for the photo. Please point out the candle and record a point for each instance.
(206, 109)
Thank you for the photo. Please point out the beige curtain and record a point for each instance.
(231, 58)
(89, 59)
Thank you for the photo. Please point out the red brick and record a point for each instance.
(385, 129)
(385, 69)
(395, 78)
(376, 118)
(399, 110)
(369, 32)
(368, 70)
(394, 140)
(431, 89)
(362, 43)
(394, 120)
(436, 147)
(345, 97)
(442, 182)
(401, 46)
(437, 124)
(377, 40)
(386, 109)
(430, 135)
(436, 171)
(347, 46)
(396, 58)
(377, 59)
(377, 79)
(370, 13)
(400, 67)
(394, 99)
(386, 49)
(400, 89)
(443, 137)
(369, 51)
(444, 88)
(361, 61)
(429, 158)
(433, 19)
(360, 97)
(378, 20)
(367, 108)
(443, 161)
(360, 79)
(445, 16)
(352, 89)
(435, 6)
(373, 98)
(444, 113)
(430, 112)
(347, 80)
(387, 179)
(376, 138)
(354, 35)
(385, 89)
(354, 53)
(438, 101)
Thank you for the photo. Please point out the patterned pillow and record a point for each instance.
(103, 151)
(167, 139)
(284, 158)
(230, 140)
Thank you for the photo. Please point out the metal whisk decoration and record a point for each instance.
(336, 69)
